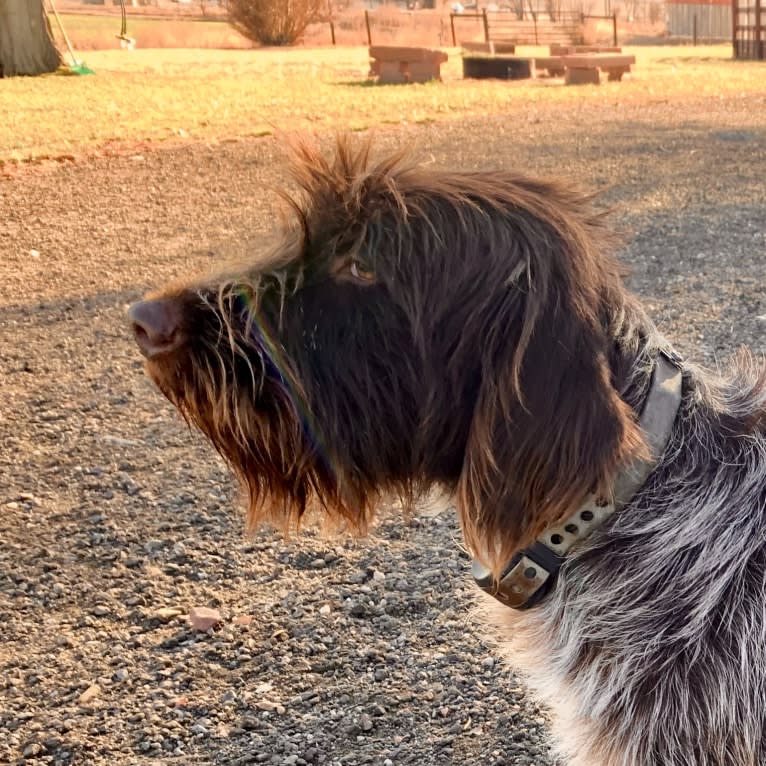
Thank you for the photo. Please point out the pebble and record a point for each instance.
(93, 691)
(366, 722)
(204, 618)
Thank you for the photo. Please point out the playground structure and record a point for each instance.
(747, 30)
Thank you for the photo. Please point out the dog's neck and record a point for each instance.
(530, 574)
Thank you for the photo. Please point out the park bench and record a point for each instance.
(586, 67)
(397, 64)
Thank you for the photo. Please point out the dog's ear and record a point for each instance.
(548, 426)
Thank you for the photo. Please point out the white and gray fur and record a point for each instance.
(651, 649)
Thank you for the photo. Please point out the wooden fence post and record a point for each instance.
(452, 27)
(486, 25)
(614, 28)
(367, 25)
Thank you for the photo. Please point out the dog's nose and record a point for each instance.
(156, 326)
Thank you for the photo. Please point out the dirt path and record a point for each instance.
(112, 515)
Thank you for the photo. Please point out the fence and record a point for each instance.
(383, 26)
(700, 21)
(524, 28)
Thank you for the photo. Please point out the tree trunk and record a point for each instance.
(26, 44)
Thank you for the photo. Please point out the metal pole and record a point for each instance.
(760, 53)
(332, 32)
(367, 24)
(694, 30)
(486, 25)
(452, 27)
(614, 28)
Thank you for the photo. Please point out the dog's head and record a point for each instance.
(410, 326)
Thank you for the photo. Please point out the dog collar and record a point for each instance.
(531, 572)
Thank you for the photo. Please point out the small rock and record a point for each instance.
(378, 576)
(198, 730)
(270, 706)
(100, 610)
(166, 613)
(204, 618)
(34, 253)
(325, 610)
(117, 441)
(31, 750)
(243, 619)
(89, 694)
(365, 722)
(380, 674)
(120, 675)
(488, 663)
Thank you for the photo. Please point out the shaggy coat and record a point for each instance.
(415, 327)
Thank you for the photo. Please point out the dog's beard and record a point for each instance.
(254, 413)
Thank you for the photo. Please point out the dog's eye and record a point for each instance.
(360, 273)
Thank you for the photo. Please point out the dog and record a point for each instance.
(414, 328)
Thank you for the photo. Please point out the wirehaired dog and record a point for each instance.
(415, 327)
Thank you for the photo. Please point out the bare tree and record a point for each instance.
(26, 42)
(274, 22)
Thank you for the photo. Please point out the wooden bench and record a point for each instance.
(397, 64)
(586, 68)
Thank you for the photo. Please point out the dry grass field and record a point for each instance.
(98, 31)
(151, 97)
(115, 520)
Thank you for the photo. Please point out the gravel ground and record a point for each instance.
(116, 521)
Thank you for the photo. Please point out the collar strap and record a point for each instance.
(530, 574)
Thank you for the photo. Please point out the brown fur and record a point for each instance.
(471, 348)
